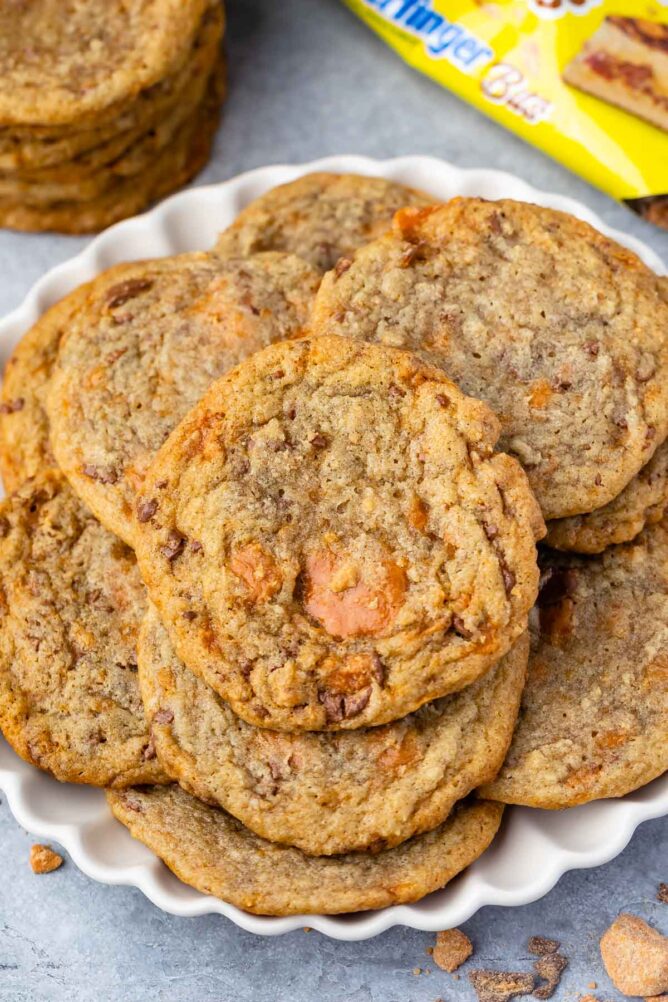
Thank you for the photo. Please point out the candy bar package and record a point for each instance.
(584, 80)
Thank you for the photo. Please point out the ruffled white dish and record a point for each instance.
(534, 848)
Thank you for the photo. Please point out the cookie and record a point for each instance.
(72, 604)
(185, 156)
(151, 339)
(594, 717)
(102, 53)
(332, 542)
(321, 217)
(25, 449)
(213, 852)
(328, 793)
(642, 503)
(24, 428)
(34, 147)
(90, 175)
(559, 329)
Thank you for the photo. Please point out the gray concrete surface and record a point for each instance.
(307, 80)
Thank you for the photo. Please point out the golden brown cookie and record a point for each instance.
(57, 69)
(559, 329)
(33, 148)
(321, 217)
(213, 852)
(331, 540)
(24, 427)
(72, 603)
(642, 503)
(150, 340)
(594, 717)
(328, 793)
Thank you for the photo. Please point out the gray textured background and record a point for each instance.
(307, 80)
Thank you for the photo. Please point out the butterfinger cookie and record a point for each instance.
(330, 539)
(328, 793)
(321, 217)
(594, 718)
(101, 53)
(642, 503)
(151, 339)
(559, 329)
(72, 603)
(214, 853)
(24, 428)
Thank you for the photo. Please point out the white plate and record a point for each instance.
(534, 848)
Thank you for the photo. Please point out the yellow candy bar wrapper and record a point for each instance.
(584, 80)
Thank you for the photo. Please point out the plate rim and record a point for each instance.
(19, 781)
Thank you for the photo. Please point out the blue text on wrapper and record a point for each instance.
(441, 38)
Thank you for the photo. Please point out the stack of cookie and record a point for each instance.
(105, 109)
(270, 561)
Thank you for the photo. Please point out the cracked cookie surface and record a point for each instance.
(594, 717)
(328, 793)
(83, 64)
(559, 329)
(72, 604)
(149, 341)
(321, 217)
(331, 540)
(213, 852)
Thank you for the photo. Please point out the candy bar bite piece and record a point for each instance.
(626, 64)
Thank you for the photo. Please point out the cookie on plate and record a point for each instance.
(643, 502)
(24, 428)
(213, 852)
(150, 340)
(72, 604)
(321, 217)
(558, 328)
(594, 717)
(328, 793)
(331, 540)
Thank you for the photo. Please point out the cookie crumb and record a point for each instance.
(43, 859)
(417, 970)
(307, 928)
(549, 969)
(452, 948)
(635, 956)
(500, 986)
(540, 946)
(592, 984)
(662, 893)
